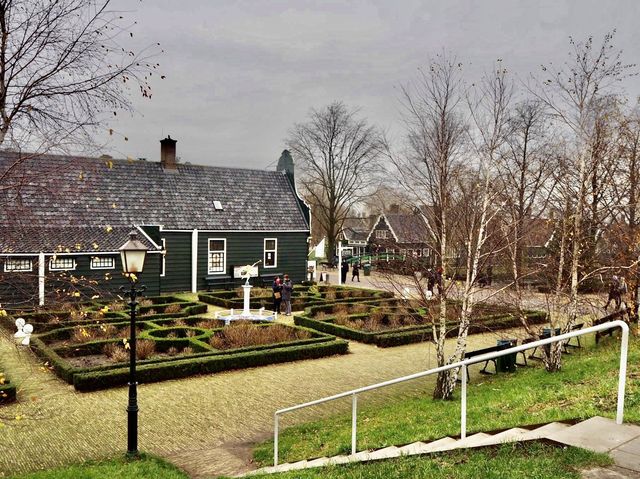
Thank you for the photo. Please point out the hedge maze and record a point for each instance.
(393, 322)
(87, 347)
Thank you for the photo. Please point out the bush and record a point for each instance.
(243, 333)
(173, 308)
(115, 352)
(179, 368)
(145, 348)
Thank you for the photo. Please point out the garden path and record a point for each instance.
(203, 424)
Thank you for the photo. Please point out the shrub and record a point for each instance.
(82, 335)
(330, 294)
(187, 350)
(243, 333)
(172, 308)
(150, 312)
(360, 308)
(172, 351)
(115, 352)
(320, 316)
(210, 324)
(116, 306)
(144, 303)
(145, 348)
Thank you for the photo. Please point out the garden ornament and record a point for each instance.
(28, 329)
(20, 322)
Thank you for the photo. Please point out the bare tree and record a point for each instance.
(526, 179)
(574, 93)
(338, 153)
(63, 66)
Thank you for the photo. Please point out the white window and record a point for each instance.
(103, 262)
(381, 234)
(16, 265)
(425, 252)
(270, 252)
(62, 263)
(164, 257)
(217, 205)
(217, 255)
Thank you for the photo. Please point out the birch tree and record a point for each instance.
(573, 93)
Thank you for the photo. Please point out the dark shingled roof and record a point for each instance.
(357, 229)
(86, 196)
(408, 228)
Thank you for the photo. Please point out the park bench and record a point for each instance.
(266, 280)
(605, 319)
(480, 352)
(218, 282)
(565, 344)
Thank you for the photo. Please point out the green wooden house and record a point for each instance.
(63, 218)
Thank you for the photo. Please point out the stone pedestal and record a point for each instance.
(247, 299)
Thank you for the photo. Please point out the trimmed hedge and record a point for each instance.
(408, 334)
(301, 294)
(317, 345)
(7, 390)
(89, 381)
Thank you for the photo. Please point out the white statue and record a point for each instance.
(245, 272)
(28, 330)
(20, 322)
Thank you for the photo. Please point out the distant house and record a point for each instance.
(400, 234)
(63, 218)
(354, 234)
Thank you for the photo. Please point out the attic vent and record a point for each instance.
(217, 205)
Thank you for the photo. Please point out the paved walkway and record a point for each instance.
(204, 424)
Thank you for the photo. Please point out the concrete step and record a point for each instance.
(335, 460)
(510, 435)
(597, 434)
(294, 466)
(386, 453)
(544, 431)
(469, 441)
(321, 461)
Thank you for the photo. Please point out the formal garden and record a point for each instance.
(394, 322)
(86, 345)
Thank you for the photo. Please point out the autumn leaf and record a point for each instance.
(108, 228)
(109, 164)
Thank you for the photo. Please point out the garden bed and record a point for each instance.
(151, 308)
(303, 296)
(95, 356)
(393, 322)
(7, 389)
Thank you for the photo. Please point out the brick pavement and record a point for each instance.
(204, 424)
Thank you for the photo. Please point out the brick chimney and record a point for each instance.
(168, 153)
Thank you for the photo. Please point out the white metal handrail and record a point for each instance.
(463, 393)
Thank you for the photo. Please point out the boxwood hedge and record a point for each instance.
(407, 334)
(204, 357)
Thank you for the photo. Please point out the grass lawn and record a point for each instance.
(512, 461)
(585, 387)
(121, 468)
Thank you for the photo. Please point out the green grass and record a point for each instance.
(585, 387)
(122, 468)
(512, 461)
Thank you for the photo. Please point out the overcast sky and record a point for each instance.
(239, 74)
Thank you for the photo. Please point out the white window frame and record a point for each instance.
(57, 258)
(11, 270)
(382, 234)
(91, 266)
(224, 252)
(265, 251)
(163, 265)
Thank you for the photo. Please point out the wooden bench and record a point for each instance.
(565, 344)
(266, 280)
(605, 319)
(219, 281)
(480, 352)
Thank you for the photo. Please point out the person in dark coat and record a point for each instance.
(355, 272)
(344, 271)
(431, 280)
(277, 294)
(287, 291)
(439, 274)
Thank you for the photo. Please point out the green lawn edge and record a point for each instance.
(586, 387)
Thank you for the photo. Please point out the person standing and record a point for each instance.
(287, 291)
(344, 271)
(355, 272)
(622, 293)
(277, 294)
(614, 292)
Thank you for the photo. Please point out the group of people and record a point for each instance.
(355, 271)
(617, 289)
(282, 291)
(434, 278)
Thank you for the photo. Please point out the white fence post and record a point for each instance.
(275, 441)
(463, 404)
(354, 416)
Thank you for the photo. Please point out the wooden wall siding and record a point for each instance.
(177, 262)
(247, 248)
(16, 288)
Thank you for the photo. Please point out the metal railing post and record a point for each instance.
(354, 427)
(275, 441)
(463, 404)
(622, 375)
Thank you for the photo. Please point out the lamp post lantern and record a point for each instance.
(132, 254)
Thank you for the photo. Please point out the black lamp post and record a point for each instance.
(132, 254)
